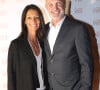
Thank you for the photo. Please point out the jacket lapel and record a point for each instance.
(27, 49)
(61, 34)
(47, 46)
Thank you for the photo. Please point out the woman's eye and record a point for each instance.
(37, 17)
(28, 17)
(33, 18)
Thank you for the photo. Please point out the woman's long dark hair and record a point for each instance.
(24, 31)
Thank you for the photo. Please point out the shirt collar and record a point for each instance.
(59, 23)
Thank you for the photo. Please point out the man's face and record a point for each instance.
(56, 8)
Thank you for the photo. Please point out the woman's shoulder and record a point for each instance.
(18, 40)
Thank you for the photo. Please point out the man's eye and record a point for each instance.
(50, 5)
(60, 4)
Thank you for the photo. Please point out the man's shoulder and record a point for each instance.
(74, 21)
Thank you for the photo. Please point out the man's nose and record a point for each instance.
(55, 7)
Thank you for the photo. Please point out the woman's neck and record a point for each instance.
(34, 43)
(32, 37)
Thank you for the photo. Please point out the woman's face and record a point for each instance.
(32, 20)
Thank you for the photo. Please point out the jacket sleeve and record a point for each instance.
(84, 50)
(11, 72)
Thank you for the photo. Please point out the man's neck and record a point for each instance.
(56, 21)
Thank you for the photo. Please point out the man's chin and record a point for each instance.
(54, 17)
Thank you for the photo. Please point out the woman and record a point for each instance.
(25, 65)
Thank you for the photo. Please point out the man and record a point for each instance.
(68, 50)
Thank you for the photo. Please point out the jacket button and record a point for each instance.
(52, 74)
(51, 61)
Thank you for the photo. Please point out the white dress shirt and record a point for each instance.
(53, 33)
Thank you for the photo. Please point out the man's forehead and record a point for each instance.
(55, 0)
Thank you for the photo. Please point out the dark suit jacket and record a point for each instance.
(70, 66)
(22, 67)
